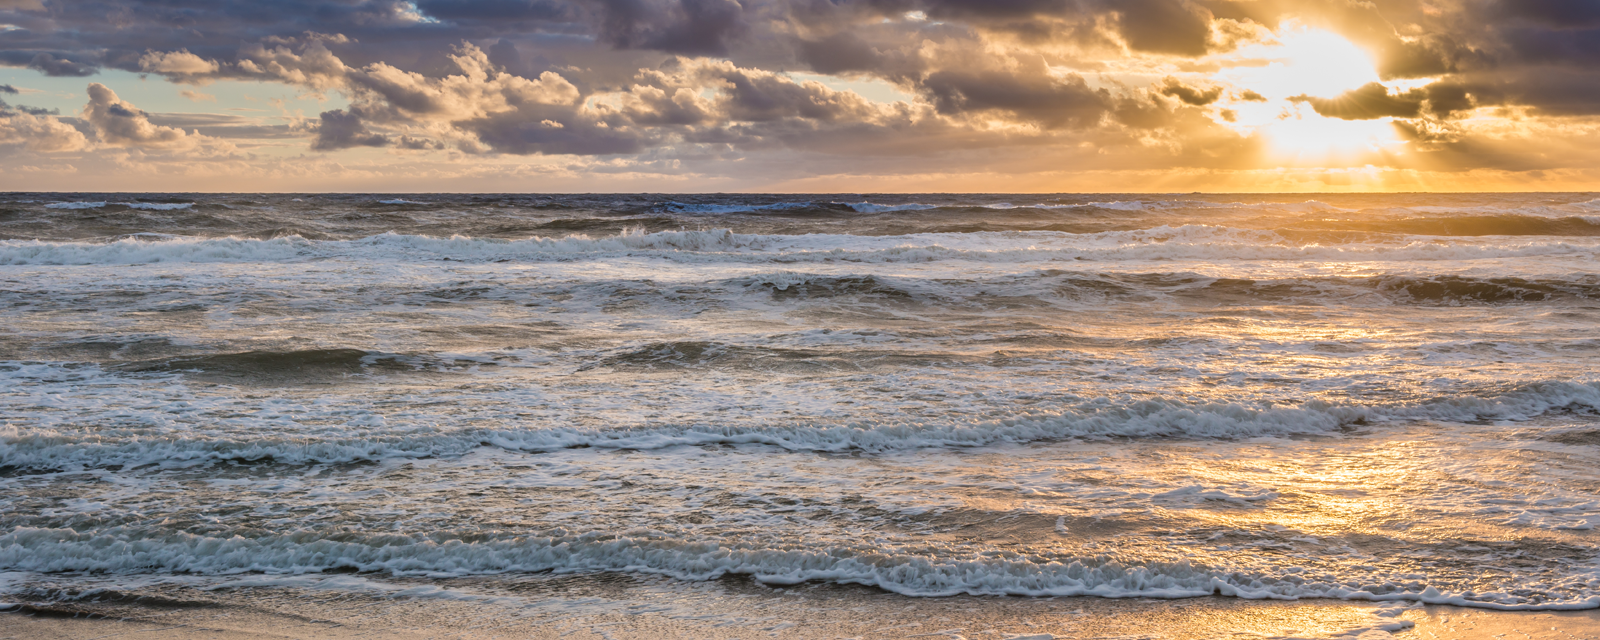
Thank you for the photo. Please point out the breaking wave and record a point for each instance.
(443, 554)
(42, 448)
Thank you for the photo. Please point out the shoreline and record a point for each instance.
(620, 607)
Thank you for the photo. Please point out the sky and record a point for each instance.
(859, 96)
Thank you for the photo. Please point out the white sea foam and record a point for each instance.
(75, 205)
(49, 444)
(400, 201)
(128, 549)
(868, 207)
(144, 250)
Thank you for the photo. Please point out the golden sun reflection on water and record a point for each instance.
(1341, 494)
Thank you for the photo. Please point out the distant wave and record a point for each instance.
(706, 208)
(1191, 242)
(152, 206)
(1464, 225)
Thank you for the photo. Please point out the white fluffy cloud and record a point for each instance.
(120, 124)
(176, 63)
(44, 134)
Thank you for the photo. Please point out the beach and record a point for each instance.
(620, 608)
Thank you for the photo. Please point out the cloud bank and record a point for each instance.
(756, 93)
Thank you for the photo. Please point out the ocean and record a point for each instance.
(1364, 398)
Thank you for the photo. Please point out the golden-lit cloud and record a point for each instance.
(1038, 95)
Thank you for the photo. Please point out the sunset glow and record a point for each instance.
(782, 96)
(800, 319)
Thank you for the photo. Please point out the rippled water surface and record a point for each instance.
(1385, 397)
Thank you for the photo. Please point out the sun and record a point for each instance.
(1304, 61)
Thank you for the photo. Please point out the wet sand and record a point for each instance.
(628, 607)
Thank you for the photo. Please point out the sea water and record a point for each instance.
(1365, 397)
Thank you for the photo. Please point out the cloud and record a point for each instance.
(498, 10)
(1163, 26)
(50, 65)
(39, 133)
(1370, 102)
(228, 126)
(1171, 86)
(7, 109)
(176, 63)
(1562, 14)
(721, 82)
(1034, 97)
(120, 124)
(340, 129)
(6, 88)
(677, 26)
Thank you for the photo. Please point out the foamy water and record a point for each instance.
(1359, 397)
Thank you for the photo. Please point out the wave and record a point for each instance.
(1191, 242)
(1310, 206)
(303, 363)
(151, 206)
(684, 556)
(144, 250)
(868, 207)
(705, 208)
(1400, 289)
(39, 447)
(790, 284)
(1478, 225)
(1456, 289)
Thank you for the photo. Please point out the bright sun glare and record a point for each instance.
(1310, 62)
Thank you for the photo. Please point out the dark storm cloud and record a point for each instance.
(515, 133)
(51, 65)
(1163, 26)
(1560, 14)
(1173, 87)
(1052, 103)
(840, 52)
(340, 129)
(1447, 98)
(703, 27)
(1369, 102)
(1177, 27)
(760, 97)
(498, 11)
(1543, 45)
